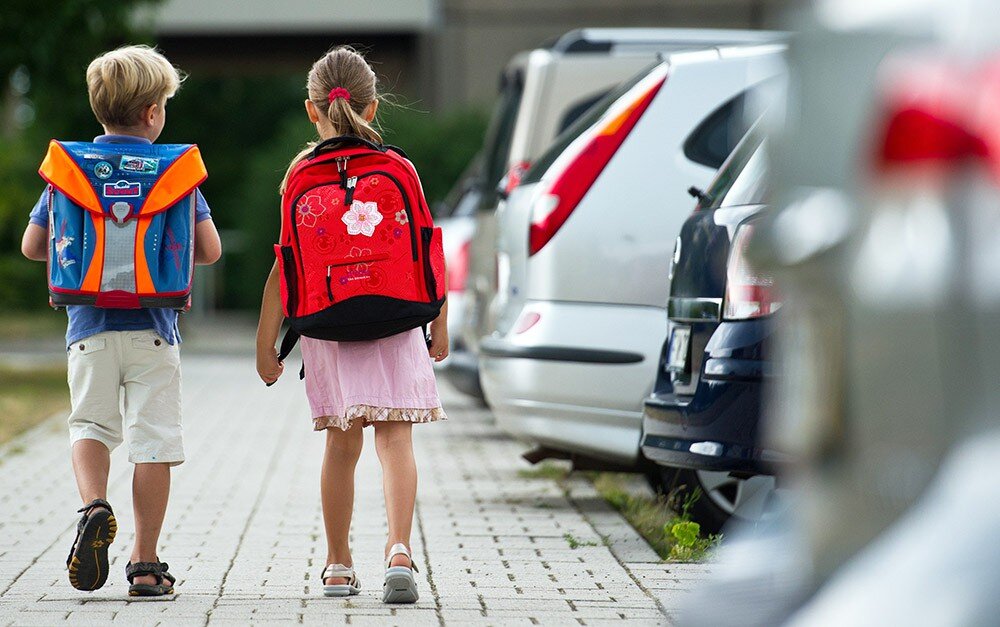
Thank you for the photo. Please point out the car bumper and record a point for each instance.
(573, 381)
(717, 428)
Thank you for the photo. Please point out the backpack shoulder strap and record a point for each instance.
(62, 172)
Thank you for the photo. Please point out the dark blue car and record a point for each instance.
(701, 424)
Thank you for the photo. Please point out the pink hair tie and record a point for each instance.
(339, 92)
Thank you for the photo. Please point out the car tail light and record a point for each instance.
(458, 268)
(590, 153)
(936, 117)
(750, 293)
(514, 176)
(527, 320)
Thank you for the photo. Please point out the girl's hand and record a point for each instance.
(268, 366)
(439, 341)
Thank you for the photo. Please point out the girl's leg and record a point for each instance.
(399, 481)
(343, 448)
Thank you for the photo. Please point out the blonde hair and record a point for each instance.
(342, 67)
(123, 82)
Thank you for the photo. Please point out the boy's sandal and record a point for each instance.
(352, 587)
(400, 586)
(164, 580)
(88, 559)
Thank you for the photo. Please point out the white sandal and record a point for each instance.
(352, 587)
(399, 587)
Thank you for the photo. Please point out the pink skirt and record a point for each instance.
(377, 380)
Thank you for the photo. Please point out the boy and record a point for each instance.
(134, 349)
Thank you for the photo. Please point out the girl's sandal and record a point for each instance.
(88, 559)
(164, 581)
(400, 586)
(352, 587)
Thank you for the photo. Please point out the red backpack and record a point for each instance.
(359, 258)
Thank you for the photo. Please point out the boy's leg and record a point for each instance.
(343, 448)
(95, 427)
(152, 380)
(394, 445)
(91, 465)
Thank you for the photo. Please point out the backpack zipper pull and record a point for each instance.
(329, 289)
(349, 196)
(342, 170)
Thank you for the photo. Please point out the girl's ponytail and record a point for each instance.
(341, 85)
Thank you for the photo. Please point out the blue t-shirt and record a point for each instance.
(85, 320)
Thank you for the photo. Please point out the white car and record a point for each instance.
(585, 245)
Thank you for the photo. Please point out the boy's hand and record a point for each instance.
(438, 348)
(268, 366)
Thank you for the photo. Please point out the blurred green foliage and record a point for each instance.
(248, 127)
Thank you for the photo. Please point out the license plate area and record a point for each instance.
(678, 349)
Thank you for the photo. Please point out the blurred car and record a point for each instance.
(585, 246)
(701, 422)
(885, 242)
(542, 93)
(456, 217)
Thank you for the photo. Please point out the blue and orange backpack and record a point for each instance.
(121, 223)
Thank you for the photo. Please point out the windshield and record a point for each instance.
(498, 138)
(582, 123)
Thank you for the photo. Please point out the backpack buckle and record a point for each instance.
(120, 211)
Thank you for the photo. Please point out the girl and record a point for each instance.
(388, 383)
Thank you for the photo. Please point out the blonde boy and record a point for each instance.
(130, 350)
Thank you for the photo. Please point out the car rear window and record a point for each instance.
(582, 123)
(578, 108)
(714, 139)
(736, 183)
(499, 135)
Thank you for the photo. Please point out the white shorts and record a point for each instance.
(135, 371)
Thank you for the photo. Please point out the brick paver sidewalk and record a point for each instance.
(244, 534)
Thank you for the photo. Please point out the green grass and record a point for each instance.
(41, 324)
(674, 537)
(29, 396)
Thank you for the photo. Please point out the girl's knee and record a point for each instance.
(345, 443)
(391, 435)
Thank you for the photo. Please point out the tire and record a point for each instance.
(723, 498)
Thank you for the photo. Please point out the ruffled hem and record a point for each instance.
(371, 413)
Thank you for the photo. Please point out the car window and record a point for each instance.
(720, 189)
(582, 123)
(578, 108)
(498, 137)
(750, 185)
(711, 141)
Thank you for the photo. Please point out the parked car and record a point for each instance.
(456, 217)
(585, 245)
(702, 422)
(542, 93)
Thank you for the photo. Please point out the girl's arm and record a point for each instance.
(439, 329)
(271, 317)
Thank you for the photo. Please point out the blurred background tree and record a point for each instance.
(248, 126)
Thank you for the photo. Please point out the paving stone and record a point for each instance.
(244, 531)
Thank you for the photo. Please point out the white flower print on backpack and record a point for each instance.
(362, 218)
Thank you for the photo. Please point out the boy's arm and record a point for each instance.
(271, 316)
(207, 245)
(34, 244)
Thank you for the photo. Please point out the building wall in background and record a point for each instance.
(441, 54)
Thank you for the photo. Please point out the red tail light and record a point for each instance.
(937, 116)
(593, 151)
(749, 292)
(514, 176)
(458, 268)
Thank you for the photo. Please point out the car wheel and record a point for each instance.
(723, 497)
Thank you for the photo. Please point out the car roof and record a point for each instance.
(647, 39)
